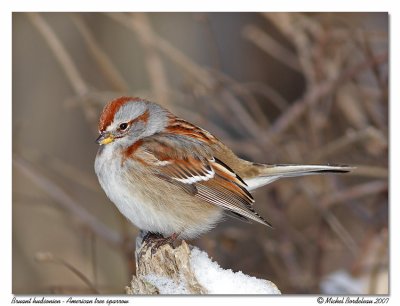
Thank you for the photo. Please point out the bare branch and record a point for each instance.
(269, 45)
(298, 108)
(64, 59)
(159, 43)
(358, 191)
(104, 62)
(69, 204)
(46, 257)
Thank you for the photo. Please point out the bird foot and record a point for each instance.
(155, 241)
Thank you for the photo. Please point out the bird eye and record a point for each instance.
(123, 126)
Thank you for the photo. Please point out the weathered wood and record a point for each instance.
(168, 262)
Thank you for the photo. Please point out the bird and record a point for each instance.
(173, 179)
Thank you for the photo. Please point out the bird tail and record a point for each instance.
(270, 173)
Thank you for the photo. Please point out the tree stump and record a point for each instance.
(187, 270)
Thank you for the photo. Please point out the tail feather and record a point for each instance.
(271, 173)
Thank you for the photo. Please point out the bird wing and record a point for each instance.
(190, 164)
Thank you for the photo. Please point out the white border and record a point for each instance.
(5, 157)
(203, 5)
(8, 6)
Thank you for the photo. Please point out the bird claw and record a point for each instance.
(154, 241)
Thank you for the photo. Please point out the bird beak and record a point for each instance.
(105, 138)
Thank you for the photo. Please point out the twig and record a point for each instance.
(243, 92)
(296, 27)
(269, 45)
(273, 257)
(312, 97)
(241, 114)
(270, 93)
(355, 192)
(369, 54)
(64, 59)
(289, 239)
(47, 257)
(299, 107)
(342, 143)
(333, 222)
(67, 170)
(154, 64)
(212, 41)
(60, 53)
(159, 43)
(104, 62)
(340, 231)
(73, 173)
(376, 107)
(62, 198)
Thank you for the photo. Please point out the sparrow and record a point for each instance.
(173, 179)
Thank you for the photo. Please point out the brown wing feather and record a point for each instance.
(190, 165)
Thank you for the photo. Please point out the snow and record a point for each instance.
(210, 276)
(219, 281)
(166, 285)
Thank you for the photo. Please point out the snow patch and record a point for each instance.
(219, 281)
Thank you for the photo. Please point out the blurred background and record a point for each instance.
(275, 87)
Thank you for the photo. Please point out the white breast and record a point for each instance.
(137, 201)
(126, 196)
